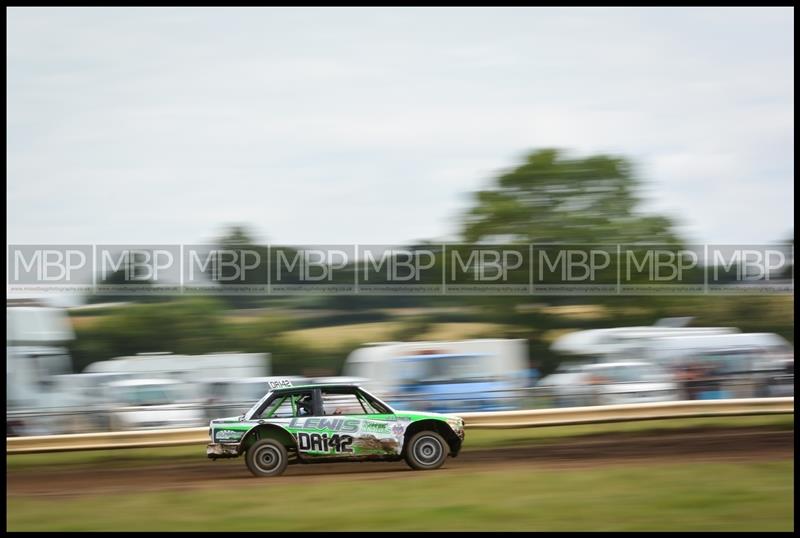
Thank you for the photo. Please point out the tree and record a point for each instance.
(188, 325)
(238, 238)
(553, 198)
(128, 275)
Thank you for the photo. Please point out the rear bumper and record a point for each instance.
(219, 450)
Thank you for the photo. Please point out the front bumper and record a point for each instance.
(219, 450)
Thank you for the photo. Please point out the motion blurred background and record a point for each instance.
(412, 128)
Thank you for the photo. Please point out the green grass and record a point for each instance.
(475, 439)
(693, 496)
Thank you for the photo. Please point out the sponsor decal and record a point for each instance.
(227, 435)
(341, 425)
(321, 442)
(375, 427)
(398, 430)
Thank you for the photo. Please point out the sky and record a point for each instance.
(374, 126)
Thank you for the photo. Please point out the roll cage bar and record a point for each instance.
(316, 400)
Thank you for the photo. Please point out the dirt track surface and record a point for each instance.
(740, 444)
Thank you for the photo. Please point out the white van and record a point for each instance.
(465, 375)
(189, 368)
(144, 404)
(610, 383)
(768, 350)
(623, 342)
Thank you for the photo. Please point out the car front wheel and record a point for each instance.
(426, 451)
(267, 457)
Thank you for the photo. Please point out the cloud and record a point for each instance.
(351, 125)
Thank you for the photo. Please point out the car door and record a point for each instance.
(343, 426)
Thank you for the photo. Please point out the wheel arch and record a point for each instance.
(440, 427)
(267, 431)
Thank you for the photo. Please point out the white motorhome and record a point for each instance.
(36, 357)
(194, 369)
(768, 351)
(479, 374)
(745, 363)
(619, 343)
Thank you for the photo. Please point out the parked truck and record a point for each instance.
(36, 361)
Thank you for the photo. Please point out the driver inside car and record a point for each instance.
(304, 406)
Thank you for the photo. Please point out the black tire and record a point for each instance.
(426, 451)
(267, 457)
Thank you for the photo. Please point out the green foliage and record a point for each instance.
(552, 198)
(412, 329)
(187, 325)
(238, 238)
(264, 335)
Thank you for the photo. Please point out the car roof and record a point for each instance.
(319, 386)
(262, 380)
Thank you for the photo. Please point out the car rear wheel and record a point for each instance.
(267, 457)
(426, 451)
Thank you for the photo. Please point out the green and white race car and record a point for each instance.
(325, 423)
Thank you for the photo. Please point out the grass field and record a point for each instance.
(692, 496)
(351, 336)
(335, 337)
(475, 439)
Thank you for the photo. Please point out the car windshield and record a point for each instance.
(257, 405)
(280, 407)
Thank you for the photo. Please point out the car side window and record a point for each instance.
(290, 405)
(342, 403)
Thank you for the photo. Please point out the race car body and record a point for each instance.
(314, 423)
